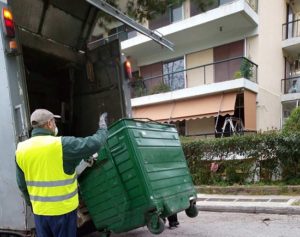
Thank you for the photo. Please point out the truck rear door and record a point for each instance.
(101, 90)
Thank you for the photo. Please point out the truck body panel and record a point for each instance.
(14, 214)
(46, 74)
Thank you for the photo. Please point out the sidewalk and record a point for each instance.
(271, 204)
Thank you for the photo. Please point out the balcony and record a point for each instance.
(290, 88)
(220, 25)
(175, 12)
(291, 37)
(209, 74)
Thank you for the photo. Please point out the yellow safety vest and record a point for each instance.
(51, 191)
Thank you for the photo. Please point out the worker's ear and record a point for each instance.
(48, 125)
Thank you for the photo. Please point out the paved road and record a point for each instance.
(216, 224)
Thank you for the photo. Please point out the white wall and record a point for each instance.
(266, 50)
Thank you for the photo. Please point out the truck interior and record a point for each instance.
(61, 73)
(70, 90)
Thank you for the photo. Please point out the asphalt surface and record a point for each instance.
(216, 224)
(235, 216)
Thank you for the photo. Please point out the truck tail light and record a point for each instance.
(127, 69)
(8, 23)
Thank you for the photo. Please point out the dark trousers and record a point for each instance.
(173, 220)
(56, 226)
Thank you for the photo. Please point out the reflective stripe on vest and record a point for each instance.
(51, 183)
(53, 199)
(51, 191)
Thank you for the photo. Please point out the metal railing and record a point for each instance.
(219, 134)
(220, 71)
(290, 85)
(290, 29)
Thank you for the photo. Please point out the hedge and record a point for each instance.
(245, 159)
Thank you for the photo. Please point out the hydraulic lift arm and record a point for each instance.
(107, 8)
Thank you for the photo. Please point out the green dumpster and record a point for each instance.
(140, 177)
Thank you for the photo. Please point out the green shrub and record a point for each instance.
(139, 87)
(246, 69)
(237, 75)
(288, 155)
(292, 124)
(160, 88)
(243, 158)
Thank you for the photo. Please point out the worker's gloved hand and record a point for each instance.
(103, 121)
(90, 162)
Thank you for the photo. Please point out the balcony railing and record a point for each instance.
(291, 29)
(220, 71)
(290, 85)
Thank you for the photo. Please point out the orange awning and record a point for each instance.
(250, 110)
(196, 107)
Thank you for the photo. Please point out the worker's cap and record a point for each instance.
(40, 117)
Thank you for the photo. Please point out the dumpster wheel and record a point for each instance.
(155, 224)
(192, 211)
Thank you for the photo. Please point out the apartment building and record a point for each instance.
(234, 64)
(291, 49)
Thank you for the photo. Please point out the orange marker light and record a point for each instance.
(128, 64)
(7, 22)
(13, 45)
(127, 69)
(7, 14)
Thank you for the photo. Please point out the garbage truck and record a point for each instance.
(48, 59)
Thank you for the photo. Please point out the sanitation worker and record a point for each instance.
(46, 173)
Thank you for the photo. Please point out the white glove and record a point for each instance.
(86, 163)
(103, 121)
(92, 160)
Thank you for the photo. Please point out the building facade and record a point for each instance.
(234, 68)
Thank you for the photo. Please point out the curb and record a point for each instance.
(252, 190)
(251, 209)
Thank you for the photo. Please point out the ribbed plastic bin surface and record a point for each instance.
(141, 171)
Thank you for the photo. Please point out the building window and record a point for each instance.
(290, 22)
(225, 70)
(174, 74)
(176, 13)
(293, 68)
(292, 76)
(212, 4)
(172, 14)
